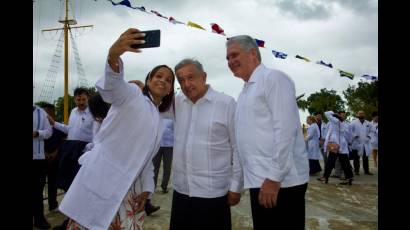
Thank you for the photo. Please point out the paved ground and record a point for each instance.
(328, 206)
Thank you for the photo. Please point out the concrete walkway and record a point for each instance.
(328, 206)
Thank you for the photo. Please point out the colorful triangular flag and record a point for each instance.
(192, 24)
(142, 8)
(346, 74)
(124, 3)
(278, 54)
(260, 43)
(303, 58)
(173, 21)
(217, 29)
(158, 14)
(368, 77)
(323, 63)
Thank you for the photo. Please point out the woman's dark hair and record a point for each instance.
(98, 107)
(168, 100)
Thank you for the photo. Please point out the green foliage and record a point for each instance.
(363, 97)
(322, 101)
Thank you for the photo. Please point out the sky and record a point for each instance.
(342, 32)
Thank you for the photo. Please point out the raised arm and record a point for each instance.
(112, 87)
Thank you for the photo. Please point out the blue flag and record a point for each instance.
(323, 63)
(278, 54)
(124, 3)
(368, 77)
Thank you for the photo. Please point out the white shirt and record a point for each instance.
(80, 125)
(123, 150)
(270, 142)
(168, 135)
(361, 136)
(43, 127)
(313, 142)
(205, 161)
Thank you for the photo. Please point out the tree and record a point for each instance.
(322, 101)
(59, 107)
(363, 97)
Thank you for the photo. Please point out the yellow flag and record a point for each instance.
(191, 24)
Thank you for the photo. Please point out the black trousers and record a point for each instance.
(199, 213)
(344, 162)
(164, 153)
(68, 165)
(290, 206)
(38, 175)
(314, 166)
(356, 161)
(52, 167)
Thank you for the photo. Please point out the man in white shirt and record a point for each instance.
(269, 139)
(361, 135)
(41, 131)
(79, 132)
(207, 176)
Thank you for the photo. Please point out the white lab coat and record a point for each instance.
(313, 142)
(361, 135)
(374, 141)
(337, 132)
(123, 151)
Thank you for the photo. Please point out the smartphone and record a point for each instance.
(152, 39)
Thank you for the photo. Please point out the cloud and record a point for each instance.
(341, 32)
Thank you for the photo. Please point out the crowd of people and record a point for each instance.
(107, 158)
(339, 141)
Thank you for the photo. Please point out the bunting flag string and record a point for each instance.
(215, 28)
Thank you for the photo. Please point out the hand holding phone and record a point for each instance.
(152, 39)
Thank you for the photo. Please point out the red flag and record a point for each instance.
(172, 20)
(158, 14)
(217, 29)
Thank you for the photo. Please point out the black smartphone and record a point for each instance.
(152, 39)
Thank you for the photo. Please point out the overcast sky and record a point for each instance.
(342, 32)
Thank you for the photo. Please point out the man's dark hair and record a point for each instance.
(81, 90)
(375, 114)
(47, 105)
(98, 107)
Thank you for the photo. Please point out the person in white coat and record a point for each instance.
(361, 135)
(269, 139)
(116, 176)
(375, 137)
(41, 130)
(338, 134)
(338, 167)
(313, 149)
(323, 129)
